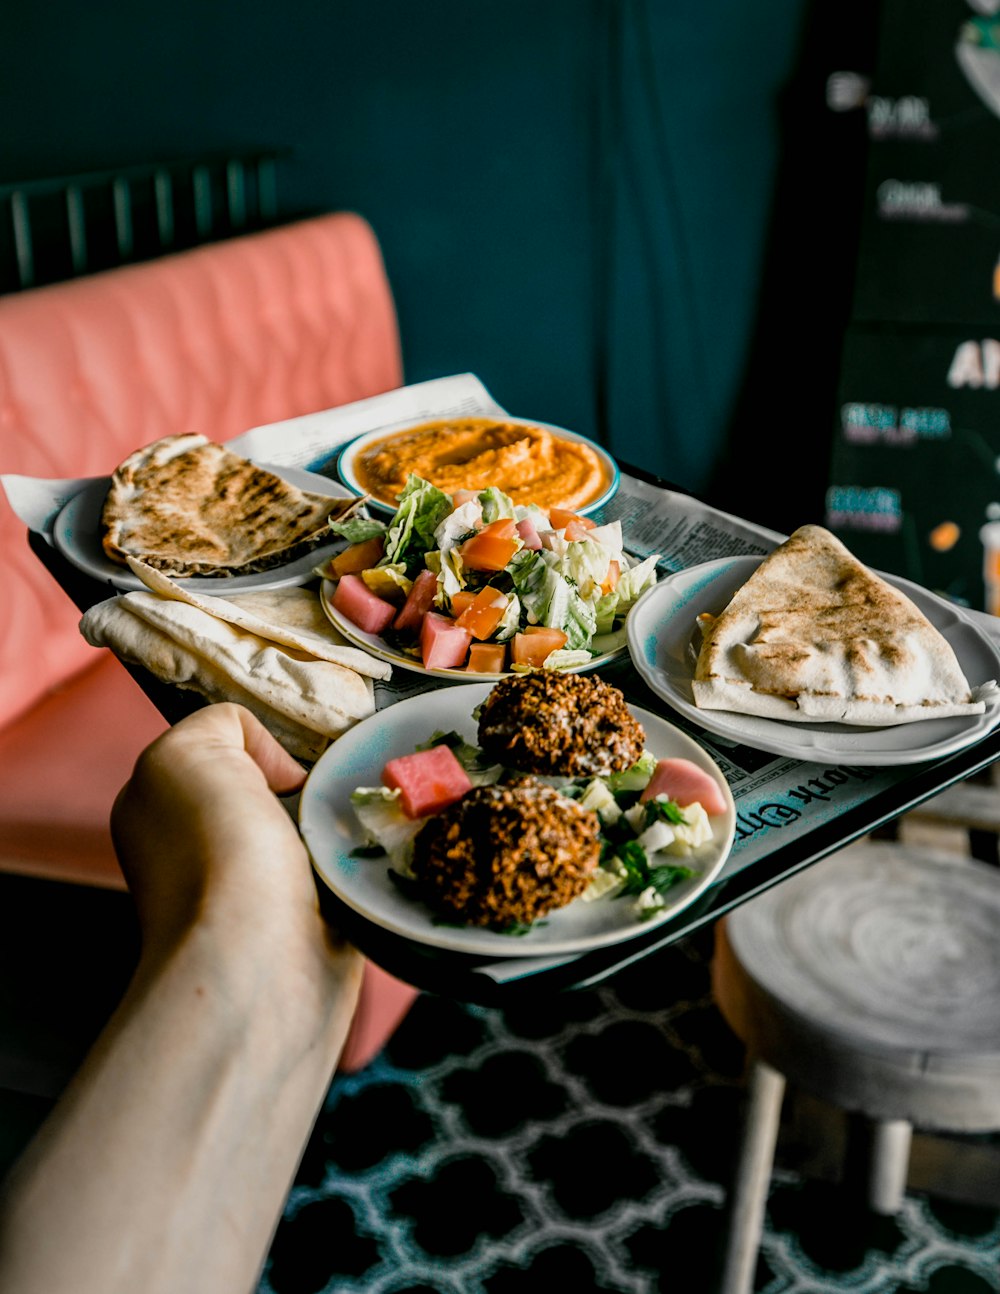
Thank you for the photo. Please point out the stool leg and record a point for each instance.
(748, 1196)
(878, 1160)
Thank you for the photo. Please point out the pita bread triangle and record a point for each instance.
(815, 636)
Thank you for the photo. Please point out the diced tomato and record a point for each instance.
(533, 646)
(418, 602)
(443, 645)
(461, 601)
(358, 557)
(463, 496)
(356, 602)
(428, 780)
(561, 517)
(493, 547)
(528, 531)
(575, 529)
(684, 782)
(484, 614)
(487, 658)
(612, 577)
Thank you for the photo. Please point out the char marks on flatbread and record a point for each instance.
(189, 506)
(814, 636)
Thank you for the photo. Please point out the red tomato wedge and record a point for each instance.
(359, 557)
(487, 658)
(357, 603)
(484, 613)
(428, 780)
(560, 517)
(493, 547)
(532, 647)
(575, 529)
(418, 602)
(443, 644)
(461, 601)
(684, 783)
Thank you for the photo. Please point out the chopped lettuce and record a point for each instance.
(635, 580)
(585, 564)
(458, 525)
(510, 621)
(357, 529)
(636, 777)
(384, 823)
(422, 507)
(550, 599)
(495, 504)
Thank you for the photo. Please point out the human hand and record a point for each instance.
(202, 840)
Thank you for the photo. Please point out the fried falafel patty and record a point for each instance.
(573, 725)
(506, 854)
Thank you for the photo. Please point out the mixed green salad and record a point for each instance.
(500, 572)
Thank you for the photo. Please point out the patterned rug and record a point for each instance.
(580, 1142)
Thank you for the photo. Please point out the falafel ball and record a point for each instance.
(506, 854)
(555, 724)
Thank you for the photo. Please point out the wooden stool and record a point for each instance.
(870, 980)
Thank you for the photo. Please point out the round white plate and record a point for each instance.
(77, 535)
(380, 648)
(345, 464)
(663, 641)
(330, 830)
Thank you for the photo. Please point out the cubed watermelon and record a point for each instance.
(428, 780)
(443, 644)
(357, 603)
(684, 782)
(418, 602)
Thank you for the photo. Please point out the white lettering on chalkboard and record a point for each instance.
(976, 364)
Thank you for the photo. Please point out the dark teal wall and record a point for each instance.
(572, 195)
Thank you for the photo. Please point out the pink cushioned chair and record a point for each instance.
(215, 340)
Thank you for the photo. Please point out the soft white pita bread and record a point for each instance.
(814, 636)
(304, 702)
(292, 616)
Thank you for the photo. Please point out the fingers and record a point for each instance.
(282, 773)
(225, 729)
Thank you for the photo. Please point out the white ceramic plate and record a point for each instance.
(76, 534)
(330, 830)
(380, 648)
(663, 639)
(345, 464)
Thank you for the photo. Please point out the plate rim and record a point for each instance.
(125, 581)
(787, 738)
(350, 449)
(368, 642)
(478, 941)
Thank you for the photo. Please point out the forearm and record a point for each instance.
(166, 1164)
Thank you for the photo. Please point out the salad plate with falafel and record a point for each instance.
(539, 815)
(470, 584)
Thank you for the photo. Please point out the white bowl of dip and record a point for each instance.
(533, 462)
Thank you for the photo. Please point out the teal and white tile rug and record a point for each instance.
(580, 1143)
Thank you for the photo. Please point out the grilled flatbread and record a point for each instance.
(815, 636)
(189, 506)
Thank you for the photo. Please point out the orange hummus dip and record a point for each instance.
(529, 463)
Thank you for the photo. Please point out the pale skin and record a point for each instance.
(166, 1163)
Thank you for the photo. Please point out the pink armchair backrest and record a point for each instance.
(215, 340)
